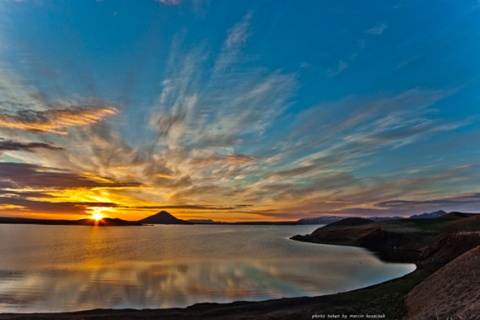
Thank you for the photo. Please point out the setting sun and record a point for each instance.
(97, 216)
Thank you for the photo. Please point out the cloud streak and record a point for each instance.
(169, 2)
(378, 30)
(11, 145)
(237, 36)
(342, 65)
(55, 120)
(462, 202)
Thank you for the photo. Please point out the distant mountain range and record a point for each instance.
(332, 219)
(429, 215)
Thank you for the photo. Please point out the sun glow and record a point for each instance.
(97, 216)
(97, 213)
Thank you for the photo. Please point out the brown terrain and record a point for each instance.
(452, 290)
(444, 286)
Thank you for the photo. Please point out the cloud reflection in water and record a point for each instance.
(65, 268)
(178, 284)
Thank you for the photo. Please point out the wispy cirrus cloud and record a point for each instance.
(335, 145)
(342, 65)
(378, 29)
(346, 194)
(201, 124)
(371, 122)
(376, 127)
(237, 36)
(212, 159)
(169, 2)
(468, 202)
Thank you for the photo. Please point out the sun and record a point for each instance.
(97, 213)
(97, 216)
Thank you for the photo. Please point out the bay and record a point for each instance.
(71, 268)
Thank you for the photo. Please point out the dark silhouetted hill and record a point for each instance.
(332, 219)
(106, 222)
(163, 217)
(351, 222)
(202, 221)
(458, 215)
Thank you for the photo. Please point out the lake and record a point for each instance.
(70, 268)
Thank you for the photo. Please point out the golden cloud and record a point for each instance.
(53, 121)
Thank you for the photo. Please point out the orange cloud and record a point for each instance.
(53, 121)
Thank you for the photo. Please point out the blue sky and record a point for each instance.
(238, 110)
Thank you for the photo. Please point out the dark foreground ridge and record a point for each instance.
(445, 250)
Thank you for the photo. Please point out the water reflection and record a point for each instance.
(145, 285)
(160, 268)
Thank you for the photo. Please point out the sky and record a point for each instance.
(239, 110)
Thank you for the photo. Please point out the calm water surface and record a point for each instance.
(67, 268)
